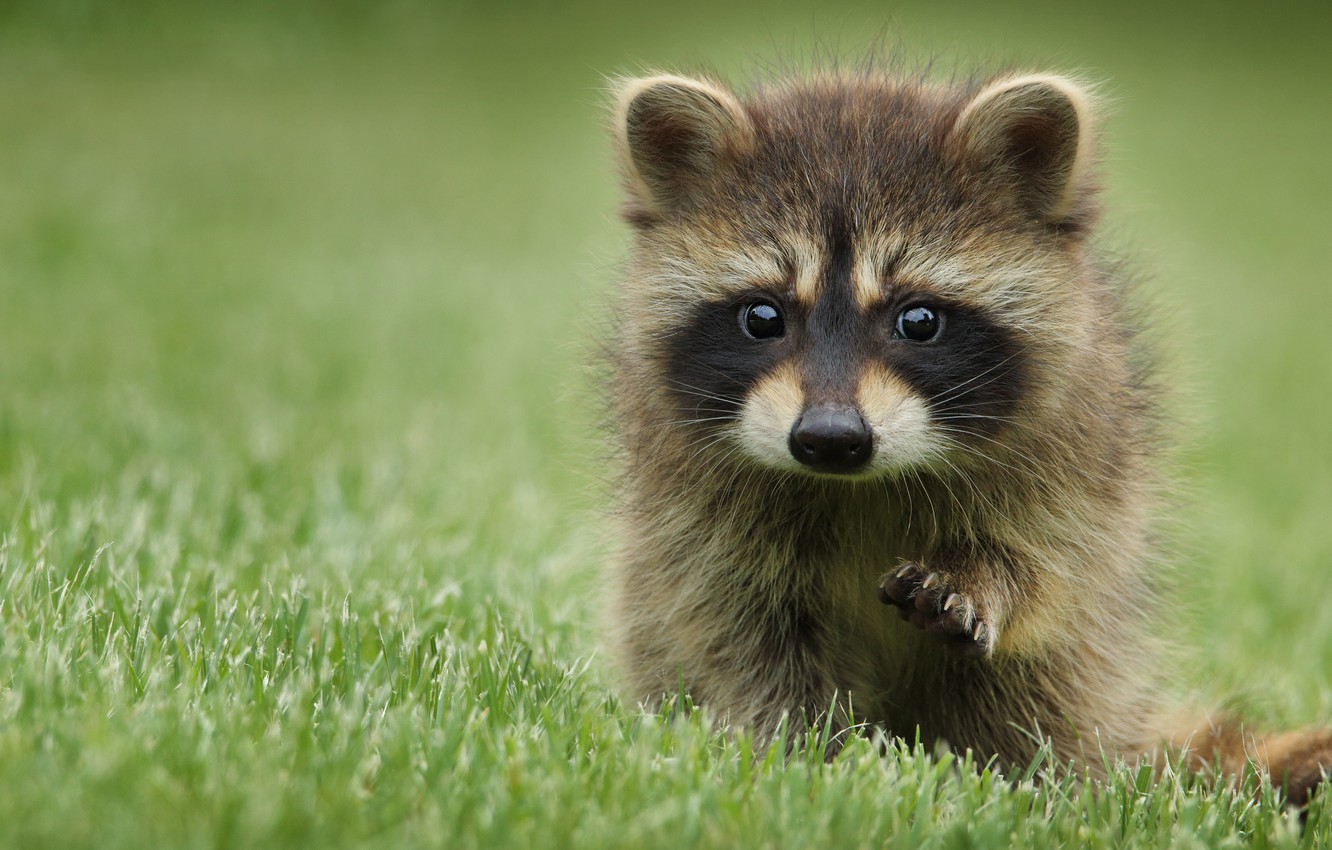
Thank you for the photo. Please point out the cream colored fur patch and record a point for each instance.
(770, 410)
(806, 264)
(873, 272)
(904, 437)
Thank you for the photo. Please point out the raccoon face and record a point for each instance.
(847, 279)
(828, 385)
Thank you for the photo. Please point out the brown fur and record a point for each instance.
(753, 583)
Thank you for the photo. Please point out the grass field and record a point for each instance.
(299, 473)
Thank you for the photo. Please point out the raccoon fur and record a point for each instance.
(890, 450)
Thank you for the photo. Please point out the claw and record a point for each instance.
(930, 604)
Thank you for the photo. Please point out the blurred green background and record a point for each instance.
(303, 294)
(307, 239)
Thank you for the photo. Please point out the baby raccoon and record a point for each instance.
(890, 448)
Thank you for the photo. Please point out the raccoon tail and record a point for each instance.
(1297, 762)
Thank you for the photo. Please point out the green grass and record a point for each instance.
(300, 477)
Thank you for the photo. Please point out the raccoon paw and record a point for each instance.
(927, 600)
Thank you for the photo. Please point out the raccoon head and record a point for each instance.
(854, 276)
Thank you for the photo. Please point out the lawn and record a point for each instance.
(301, 482)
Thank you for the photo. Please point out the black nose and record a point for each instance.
(832, 439)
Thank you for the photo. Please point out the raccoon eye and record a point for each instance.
(918, 324)
(762, 321)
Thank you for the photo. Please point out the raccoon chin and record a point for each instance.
(886, 462)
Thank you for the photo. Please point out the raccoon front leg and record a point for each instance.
(756, 663)
(780, 679)
(962, 615)
(822, 713)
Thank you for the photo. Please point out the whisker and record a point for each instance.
(954, 392)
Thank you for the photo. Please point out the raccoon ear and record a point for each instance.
(1037, 128)
(674, 133)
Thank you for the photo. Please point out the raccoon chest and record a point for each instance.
(781, 608)
(865, 646)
